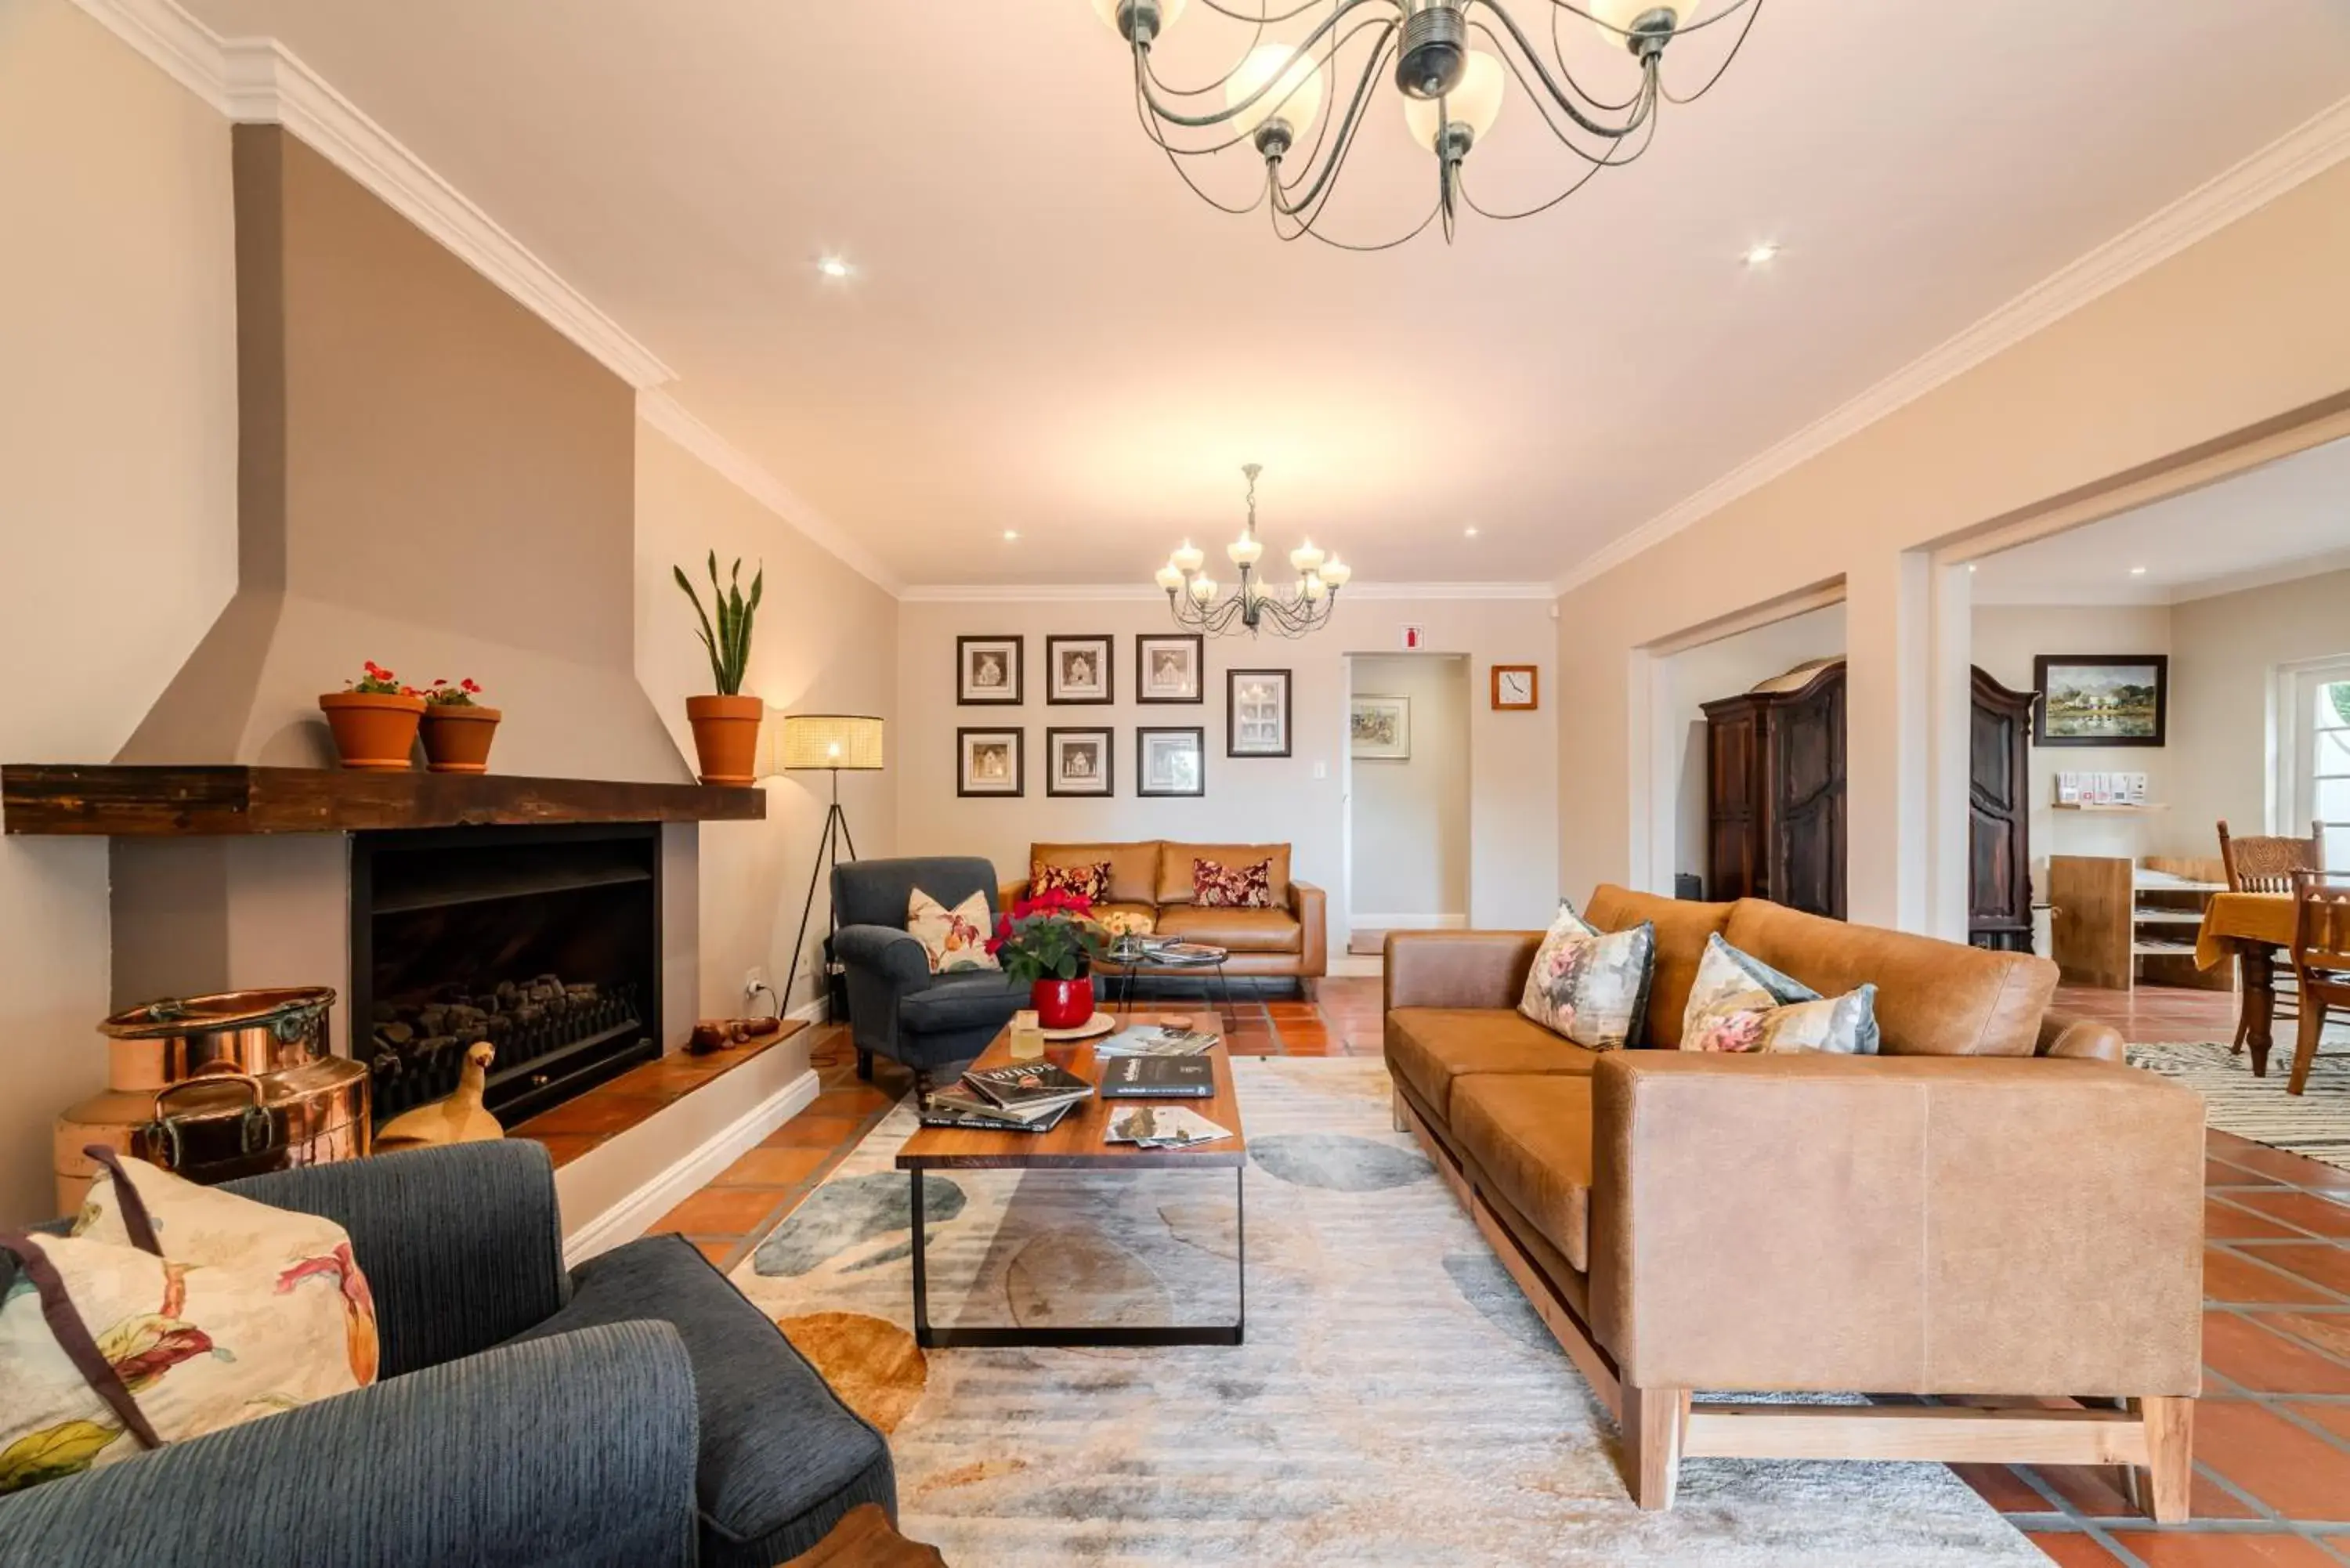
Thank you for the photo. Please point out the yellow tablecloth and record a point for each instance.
(2232, 918)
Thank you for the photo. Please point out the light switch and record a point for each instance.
(1321, 770)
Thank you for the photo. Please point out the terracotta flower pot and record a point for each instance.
(726, 737)
(373, 731)
(1062, 1003)
(457, 737)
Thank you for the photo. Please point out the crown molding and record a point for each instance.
(667, 415)
(2309, 149)
(260, 81)
(1143, 593)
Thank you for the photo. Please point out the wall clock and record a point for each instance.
(1517, 687)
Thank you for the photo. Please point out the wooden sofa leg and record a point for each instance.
(865, 1065)
(1396, 1111)
(2164, 1485)
(1652, 1424)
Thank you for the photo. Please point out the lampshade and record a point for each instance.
(851, 741)
(1295, 98)
(1474, 101)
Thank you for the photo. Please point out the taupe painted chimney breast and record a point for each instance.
(429, 476)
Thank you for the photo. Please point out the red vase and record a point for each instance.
(1062, 1003)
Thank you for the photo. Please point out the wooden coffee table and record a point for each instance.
(1076, 1143)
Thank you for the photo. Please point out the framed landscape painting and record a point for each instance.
(1170, 762)
(988, 762)
(1379, 728)
(987, 670)
(1077, 762)
(2102, 700)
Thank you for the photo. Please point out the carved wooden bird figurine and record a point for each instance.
(459, 1119)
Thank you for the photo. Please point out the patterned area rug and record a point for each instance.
(2315, 1123)
(1397, 1402)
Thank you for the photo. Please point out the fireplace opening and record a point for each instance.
(545, 941)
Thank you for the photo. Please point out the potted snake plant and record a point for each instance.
(726, 723)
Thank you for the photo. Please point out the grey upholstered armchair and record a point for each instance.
(897, 1007)
(633, 1413)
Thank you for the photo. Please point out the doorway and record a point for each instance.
(1407, 795)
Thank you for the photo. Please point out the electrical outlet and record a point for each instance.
(755, 981)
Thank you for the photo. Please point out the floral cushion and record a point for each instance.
(1088, 882)
(1590, 985)
(1216, 885)
(951, 939)
(1740, 1003)
(172, 1310)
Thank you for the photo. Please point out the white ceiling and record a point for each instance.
(1048, 334)
(2286, 520)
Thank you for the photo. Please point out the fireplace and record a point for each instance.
(545, 941)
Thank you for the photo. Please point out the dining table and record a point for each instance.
(2251, 927)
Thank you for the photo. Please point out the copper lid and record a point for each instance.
(222, 1011)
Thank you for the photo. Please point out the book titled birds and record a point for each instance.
(1158, 1077)
(1030, 1086)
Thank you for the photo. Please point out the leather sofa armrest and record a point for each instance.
(1310, 907)
(2080, 1039)
(1458, 969)
(1010, 893)
(1900, 1224)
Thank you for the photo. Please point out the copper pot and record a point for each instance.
(252, 1031)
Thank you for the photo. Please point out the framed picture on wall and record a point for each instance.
(1170, 762)
(1077, 669)
(2102, 698)
(1167, 668)
(1256, 713)
(1077, 762)
(988, 762)
(1378, 728)
(987, 670)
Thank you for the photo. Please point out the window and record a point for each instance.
(2319, 740)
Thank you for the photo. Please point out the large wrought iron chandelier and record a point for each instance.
(1452, 61)
(1255, 605)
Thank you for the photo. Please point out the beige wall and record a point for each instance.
(1512, 756)
(826, 642)
(1724, 668)
(2006, 639)
(2225, 653)
(1407, 852)
(2248, 325)
(118, 493)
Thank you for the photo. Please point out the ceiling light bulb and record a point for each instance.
(1312, 590)
(1203, 587)
(1305, 558)
(1170, 11)
(1335, 572)
(1762, 255)
(2137, 571)
(1169, 578)
(1010, 534)
(1187, 560)
(833, 266)
(1467, 533)
(1296, 98)
(1474, 101)
(1245, 550)
(1614, 19)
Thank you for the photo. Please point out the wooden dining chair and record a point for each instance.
(2267, 863)
(2321, 961)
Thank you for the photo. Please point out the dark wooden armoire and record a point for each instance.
(1774, 782)
(1999, 811)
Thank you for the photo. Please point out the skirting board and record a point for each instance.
(606, 1198)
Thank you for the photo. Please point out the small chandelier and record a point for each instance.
(1451, 90)
(1252, 606)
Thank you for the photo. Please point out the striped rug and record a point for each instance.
(2315, 1123)
(1397, 1404)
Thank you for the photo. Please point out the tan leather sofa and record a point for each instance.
(1994, 1208)
(1152, 878)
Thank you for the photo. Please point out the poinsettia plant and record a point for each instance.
(379, 683)
(1052, 936)
(443, 694)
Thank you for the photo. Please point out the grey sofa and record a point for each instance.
(635, 1412)
(897, 1007)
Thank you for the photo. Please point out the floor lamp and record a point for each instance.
(832, 741)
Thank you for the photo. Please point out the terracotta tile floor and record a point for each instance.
(2273, 1430)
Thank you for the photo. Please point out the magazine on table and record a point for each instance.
(961, 1108)
(1027, 1085)
(1161, 1127)
(1157, 1040)
(1158, 1077)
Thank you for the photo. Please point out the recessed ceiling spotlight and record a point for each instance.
(1971, 568)
(1010, 534)
(2137, 571)
(1467, 533)
(1762, 255)
(834, 267)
